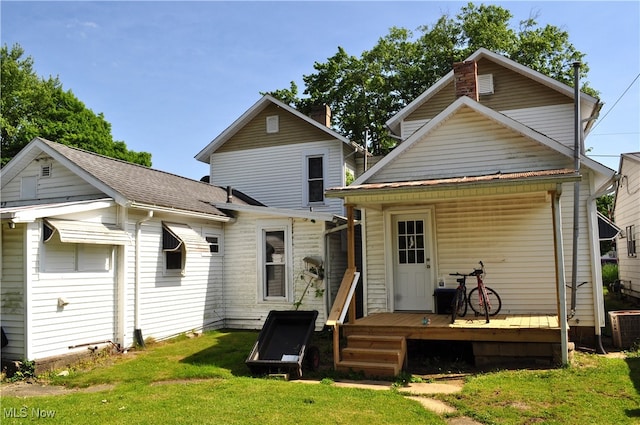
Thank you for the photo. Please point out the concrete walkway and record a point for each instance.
(418, 391)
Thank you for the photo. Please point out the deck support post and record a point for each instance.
(560, 273)
(351, 256)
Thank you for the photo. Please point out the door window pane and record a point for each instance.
(411, 249)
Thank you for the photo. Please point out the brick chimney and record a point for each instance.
(466, 79)
(322, 114)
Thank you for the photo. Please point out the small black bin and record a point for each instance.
(444, 298)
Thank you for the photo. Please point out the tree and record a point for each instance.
(364, 92)
(31, 106)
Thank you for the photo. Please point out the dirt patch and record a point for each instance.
(38, 389)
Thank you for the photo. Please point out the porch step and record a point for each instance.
(373, 355)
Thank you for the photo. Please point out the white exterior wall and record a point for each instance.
(61, 184)
(244, 308)
(171, 303)
(512, 235)
(479, 147)
(554, 121)
(278, 178)
(12, 290)
(627, 213)
(89, 317)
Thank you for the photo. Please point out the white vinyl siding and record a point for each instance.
(481, 147)
(511, 234)
(554, 121)
(12, 290)
(279, 178)
(173, 304)
(627, 217)
(61, 184)
(243, 308)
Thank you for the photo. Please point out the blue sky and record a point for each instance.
(171, 76)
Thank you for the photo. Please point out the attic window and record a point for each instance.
(45, 170)
(485, 84)
(273, 124)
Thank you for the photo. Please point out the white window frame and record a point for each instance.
(324, 154)
(632, 244)
(273, 124)
(262, 227)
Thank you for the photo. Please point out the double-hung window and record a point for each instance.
(315, 175)
(631, 241)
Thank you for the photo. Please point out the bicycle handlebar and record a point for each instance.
(475, 272)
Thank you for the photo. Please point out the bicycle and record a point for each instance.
(482, 300)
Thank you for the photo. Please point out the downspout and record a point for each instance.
(560, 274)
(576, 187)
(137, 332)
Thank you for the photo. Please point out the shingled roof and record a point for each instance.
(136, 185)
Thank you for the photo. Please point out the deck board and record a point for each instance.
(502, 327)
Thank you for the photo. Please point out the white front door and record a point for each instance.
(413, 289)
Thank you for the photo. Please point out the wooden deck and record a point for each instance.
(501, 328)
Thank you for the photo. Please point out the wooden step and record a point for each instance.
(373, 355)
(376, 341)
(369, 368)
(378, 355)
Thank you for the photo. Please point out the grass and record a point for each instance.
(595, 390)
(204, 380)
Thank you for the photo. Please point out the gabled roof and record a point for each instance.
(394, 122)
(491, 114)
(251, 113)
(128, 184)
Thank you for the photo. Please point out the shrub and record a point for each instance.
(609, 273)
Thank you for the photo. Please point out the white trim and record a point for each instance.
(205, 154)
(30, 213)
(394, 122)
(388, 234)
(489, 113)
(306, 155)
(277, 212)
(263, 226)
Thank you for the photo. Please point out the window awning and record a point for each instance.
(73, 231)
(185, 236)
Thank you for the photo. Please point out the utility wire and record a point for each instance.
(616, 102)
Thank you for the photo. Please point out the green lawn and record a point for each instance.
(204, 380)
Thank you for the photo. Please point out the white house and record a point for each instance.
(98, 251)
(486, 171)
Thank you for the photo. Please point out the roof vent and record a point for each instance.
(485, 84)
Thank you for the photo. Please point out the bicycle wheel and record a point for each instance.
(458, 305)
(493, 303)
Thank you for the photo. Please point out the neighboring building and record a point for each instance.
(627, 217)
(486, 172)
